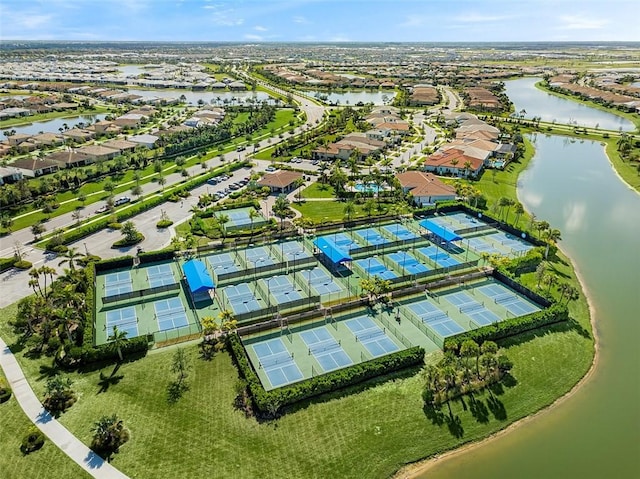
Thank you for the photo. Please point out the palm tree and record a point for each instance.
(223, 219)
(349, 210)
(71, 256)
(470, 349)
(541, 270)
(118, 338)
(518, 209)
(109, 435)
(253, 214)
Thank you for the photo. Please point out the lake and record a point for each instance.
(53, 126)
(596, 432)
(354, 97)
(525, 95)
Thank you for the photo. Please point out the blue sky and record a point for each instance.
(321, 20)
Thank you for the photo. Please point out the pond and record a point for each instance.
(525, 95)
(210, 97)
(53, 126)
(596, 432)
(354, 97)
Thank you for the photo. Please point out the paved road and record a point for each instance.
(56, 432)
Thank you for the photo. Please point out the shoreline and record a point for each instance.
(417, 469)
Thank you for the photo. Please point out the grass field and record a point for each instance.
(331, 210)
(47, 462)
(318, 190)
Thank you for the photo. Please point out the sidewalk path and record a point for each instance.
(56, 432)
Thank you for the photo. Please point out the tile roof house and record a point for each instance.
(33, 167)
(454, 162)
(99, 152)
(69, 158)
(281, 181)
(425, 188)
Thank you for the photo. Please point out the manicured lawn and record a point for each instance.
(367, 434)
(331, 210)
(47, 462)
(318, 190)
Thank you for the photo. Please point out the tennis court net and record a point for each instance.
(325, 346)
(275, 359)
(505, 298)
(369, 334)
(471, 307)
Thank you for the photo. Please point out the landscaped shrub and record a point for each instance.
(154, 256)
(113, 263)
(527, 263)
(5, 391)
(88, 354)
(164, 223)
(510, 327)
(22, 264)
(33, 441)
(271, 401)
(128, 242)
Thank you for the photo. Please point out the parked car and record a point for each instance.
(102, 209)
(270, 169)
(122, 200)
(241, 148)
(213, 181)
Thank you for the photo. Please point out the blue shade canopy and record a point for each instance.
(197, 276)
(440, 231)
(331, 251)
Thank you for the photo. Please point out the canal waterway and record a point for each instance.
(217, 98)
(525, 96)
(594, 433)
(354, 97)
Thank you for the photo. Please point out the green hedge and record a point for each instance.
(510, 327)
(22, 264)
(266, 401)
(6, 263)
(527, 263)
(113, 263)
(106, 352)
(153, 256)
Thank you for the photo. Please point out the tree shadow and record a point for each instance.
(440, 418)
(478, 410)
(175, 390)
(454, 423)
(496, 407)
(48, 371)
(107, 381)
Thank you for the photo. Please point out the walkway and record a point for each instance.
(56, 432)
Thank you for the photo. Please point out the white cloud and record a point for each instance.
(579, 22)
(224, 17)
(31, 21)
(255, 38)
(260, 28)
(339, 38)
(300, 19)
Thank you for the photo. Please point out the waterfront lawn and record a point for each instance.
(46, 462)
(332, 210)
(370, 433)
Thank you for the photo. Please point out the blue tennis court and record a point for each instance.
(400, 232)
(240, 217)
(508, 299)
(482, 246)
(325, 349)
(371, 236)
(222, 263)
(342, 241)
(293, 250)
(160, 275)
(320, 281)
(256, 257)
(439, 257)
(472, 308)
(170, 314)
(510, 241)
(281, 288)
(374, 339)
(125, 319)
(435, 318)
(117, 283)
(241, 298)
(375, 268)
(277, 362)
(463, 220)
(407, 262)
